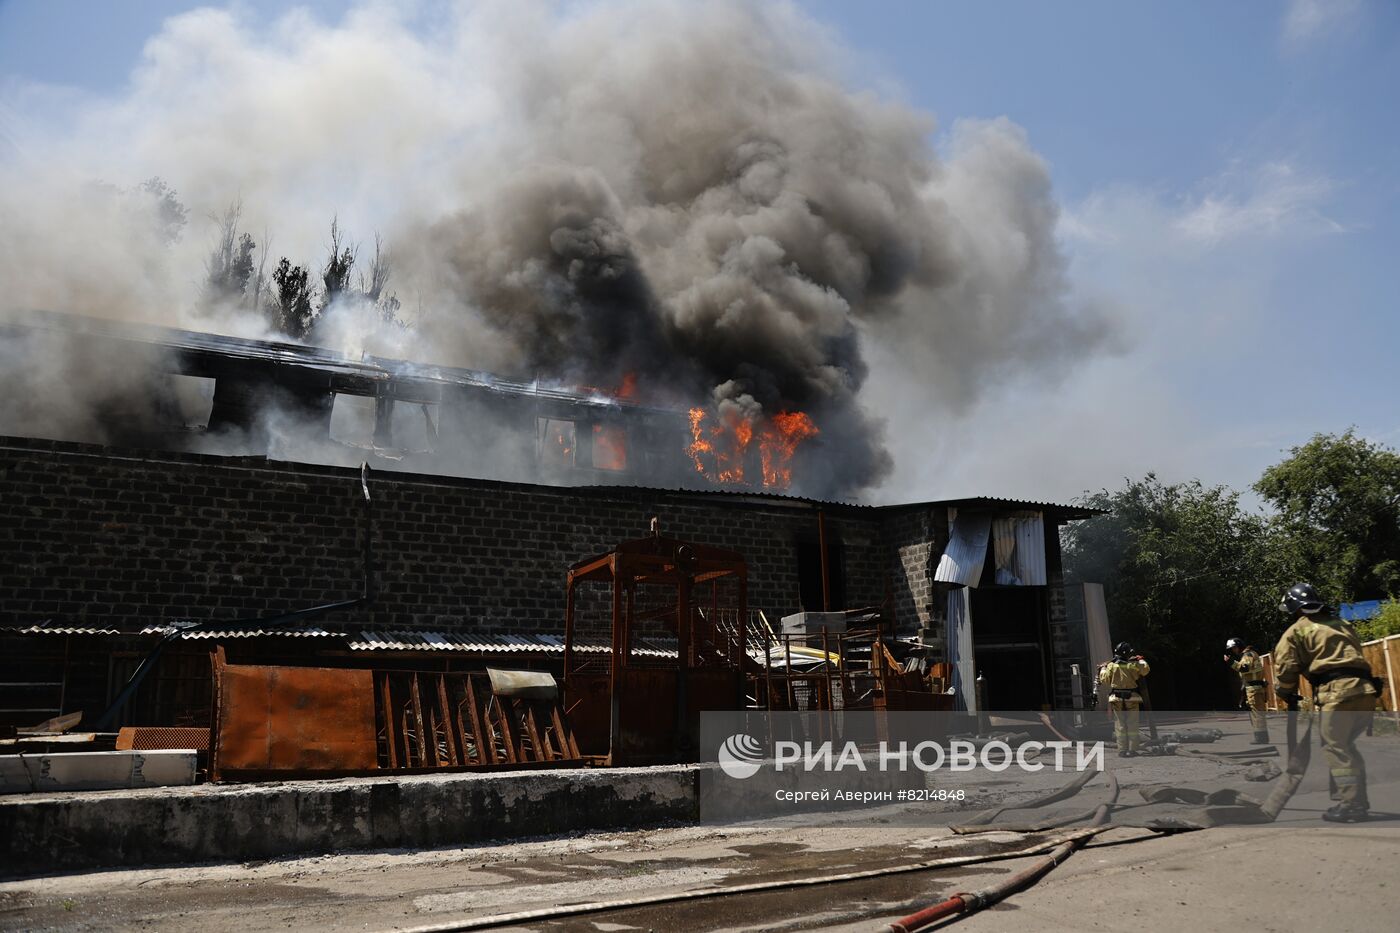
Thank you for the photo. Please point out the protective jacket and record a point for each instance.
(1123, 679)
(1328, 652)
(1250, 667)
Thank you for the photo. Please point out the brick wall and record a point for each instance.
(915, 547)
(127, 538)
(1061, 643)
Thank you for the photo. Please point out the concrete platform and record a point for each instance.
(46, 833)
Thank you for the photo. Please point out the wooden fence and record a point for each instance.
(1383, 654)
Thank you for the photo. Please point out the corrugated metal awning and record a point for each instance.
(46, 629)
(244, 632)
(966, 553)
(390, 640)
(489, 644)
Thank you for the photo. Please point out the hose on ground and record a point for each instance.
(1299, 755)
(969, 902)
(1054, 796)
(571, 910)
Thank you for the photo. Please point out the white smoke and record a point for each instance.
(689, 193)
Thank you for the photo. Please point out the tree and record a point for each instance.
(292, 311)
(1338, 515)
(1183, 568)
(335, 275)
(167, 213)
(380, 268)
(1384, 623)
(230, 264)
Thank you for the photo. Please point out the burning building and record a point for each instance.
(110, 548)
(203, 392)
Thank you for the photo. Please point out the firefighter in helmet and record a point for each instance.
(1245, 661)
(1123, 678)
(1327, 651)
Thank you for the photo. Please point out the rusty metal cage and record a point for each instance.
(643, 705)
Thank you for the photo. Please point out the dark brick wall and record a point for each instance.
(127, 538)
(915, 547)
(1062, 646)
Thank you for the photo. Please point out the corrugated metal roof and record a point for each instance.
(376, 369)
(1068, 510)
(395, 640)
(486, 644)
(765, 497)
(244, 633)
(48, 629)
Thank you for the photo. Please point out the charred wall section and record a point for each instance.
(127, 538)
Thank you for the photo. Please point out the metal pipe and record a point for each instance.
(826, 571)
(368, 588)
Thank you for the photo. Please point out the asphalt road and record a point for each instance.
(1298, 874)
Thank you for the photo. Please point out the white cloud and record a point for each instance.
(1276, 198)
(1308, 20)
(1244, 203)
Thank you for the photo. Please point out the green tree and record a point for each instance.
(167, 213)
(291, 313)
(1386, 622)
(1183, 567)
(230, 264)
(1338, 515)
(335, 274)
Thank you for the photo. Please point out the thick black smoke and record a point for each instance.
(690, 193)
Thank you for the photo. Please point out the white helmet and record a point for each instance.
(1234, 643)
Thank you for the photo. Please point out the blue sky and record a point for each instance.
(1229, 179)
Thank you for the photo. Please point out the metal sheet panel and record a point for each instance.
(960, 651)
(67, 771)
(530, 685)
(1028, 560)
(966, 553)
(1096, 621)
(61, 630)
(294, 719)
(221, 634)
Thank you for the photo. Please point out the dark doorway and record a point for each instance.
(809, 574)
(1010, 642)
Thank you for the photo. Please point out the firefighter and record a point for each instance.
(1327, 651)
(1123, 677)
(1245, 661)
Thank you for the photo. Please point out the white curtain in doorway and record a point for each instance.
(1018, 547)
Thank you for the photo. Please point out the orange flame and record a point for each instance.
(625, 391)
(700, 446)
(779, 442)
(720, 450)
(609, 447)
(628, 388)
(560, 442)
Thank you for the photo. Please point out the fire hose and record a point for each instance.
(969, 902)
(1059, 848)
(590, 907)
(1299, 755)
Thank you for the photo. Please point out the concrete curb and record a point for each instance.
(108, 829)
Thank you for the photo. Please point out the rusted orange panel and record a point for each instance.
(295, 719)
(587, 703)
(647, 718)
(153, 738)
